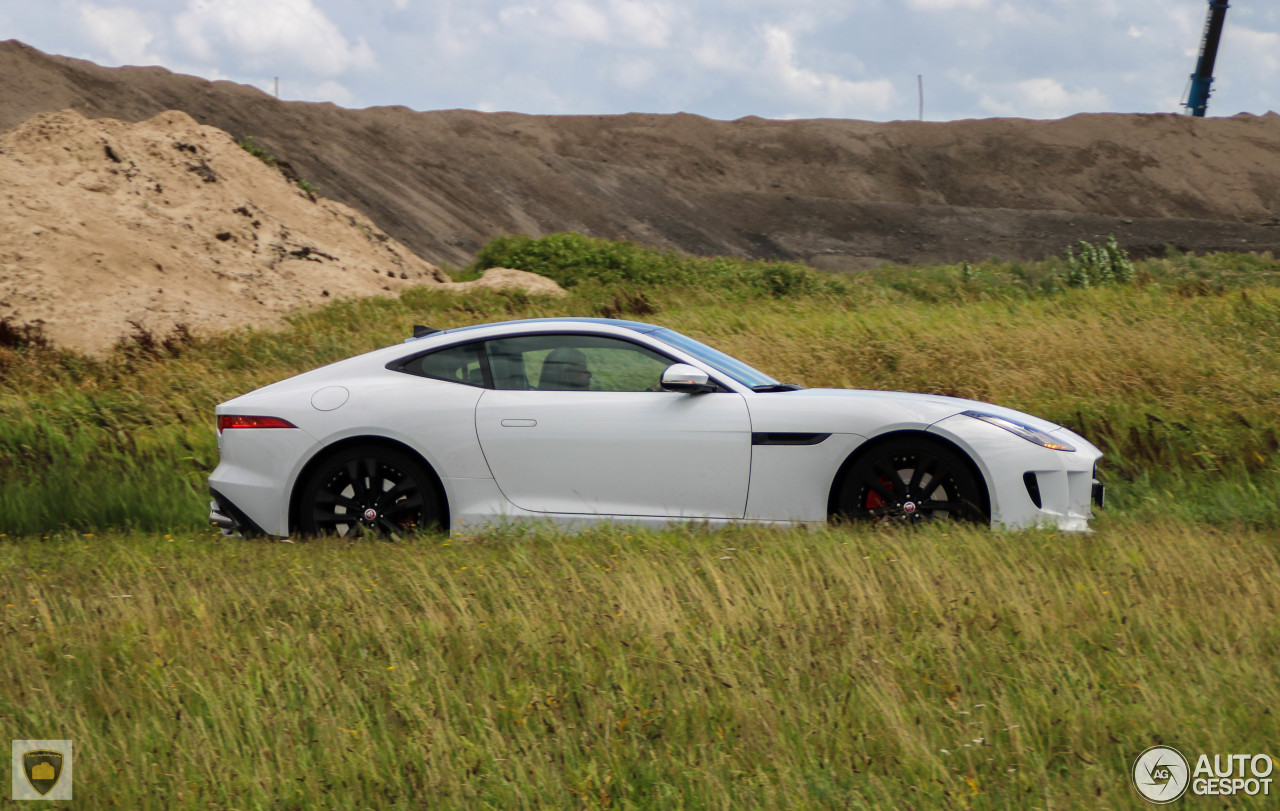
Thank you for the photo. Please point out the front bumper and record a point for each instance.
(1030, 485)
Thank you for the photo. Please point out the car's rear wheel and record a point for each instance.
(369, 490)
(909, 481)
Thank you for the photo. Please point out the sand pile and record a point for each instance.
(105, 224)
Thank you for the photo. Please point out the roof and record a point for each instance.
(635, 326)
(611, 322)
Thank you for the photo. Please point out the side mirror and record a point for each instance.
(686, 378)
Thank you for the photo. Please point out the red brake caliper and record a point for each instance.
(874, 499)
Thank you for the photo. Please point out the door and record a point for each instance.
(578, 424)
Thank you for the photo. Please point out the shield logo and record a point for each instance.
(43, 768)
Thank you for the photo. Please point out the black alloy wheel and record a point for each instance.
(911, 481)
(369, 490)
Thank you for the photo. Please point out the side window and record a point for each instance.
(456, 364)
(574, 363)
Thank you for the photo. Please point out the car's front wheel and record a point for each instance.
(908, 481)
(369, 490)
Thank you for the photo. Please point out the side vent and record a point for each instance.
(1033, 488)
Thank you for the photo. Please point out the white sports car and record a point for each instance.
(585, 419)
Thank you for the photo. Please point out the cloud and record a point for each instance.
(634, 74)
(645, 24)
(1261, 49)
(565, 19)
(270, 32)
(122, 32)
(725, 58)
(946, 5)
(1013, 15)
(619, 23)
(1042, 98)
(718, 53)
(327, 90)
(578, 19)
(816, 92)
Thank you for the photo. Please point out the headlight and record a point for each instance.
(1028, 433)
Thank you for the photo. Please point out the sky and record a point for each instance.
(724, 59)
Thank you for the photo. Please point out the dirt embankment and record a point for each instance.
(105, 225)
(834, 193)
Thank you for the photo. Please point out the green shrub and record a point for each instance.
(248, 145)
(1098, 264)
(572, 259)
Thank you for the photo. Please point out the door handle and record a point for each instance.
(519, 423)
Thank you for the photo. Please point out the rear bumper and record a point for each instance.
(229, 518)
(255, 476)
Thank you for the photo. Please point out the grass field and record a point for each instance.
(949, 668)
(849, 667)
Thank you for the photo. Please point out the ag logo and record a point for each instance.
(43, 768)
(1161, 774)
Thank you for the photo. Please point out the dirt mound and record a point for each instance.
(510, 279)
(837, 194)
(106, 225)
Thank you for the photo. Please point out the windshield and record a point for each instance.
(716, 359)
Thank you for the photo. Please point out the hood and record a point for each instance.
(928, 407)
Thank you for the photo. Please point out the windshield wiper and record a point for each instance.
(768, 387)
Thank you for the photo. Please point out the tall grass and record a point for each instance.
(952, 667)
(1175, 374)
(947, 668)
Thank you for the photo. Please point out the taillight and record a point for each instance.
(226, 421)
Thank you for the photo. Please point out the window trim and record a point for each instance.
(559, 333)
(398, 365)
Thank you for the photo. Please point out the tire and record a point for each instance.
(910, 481)
(367, 490)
